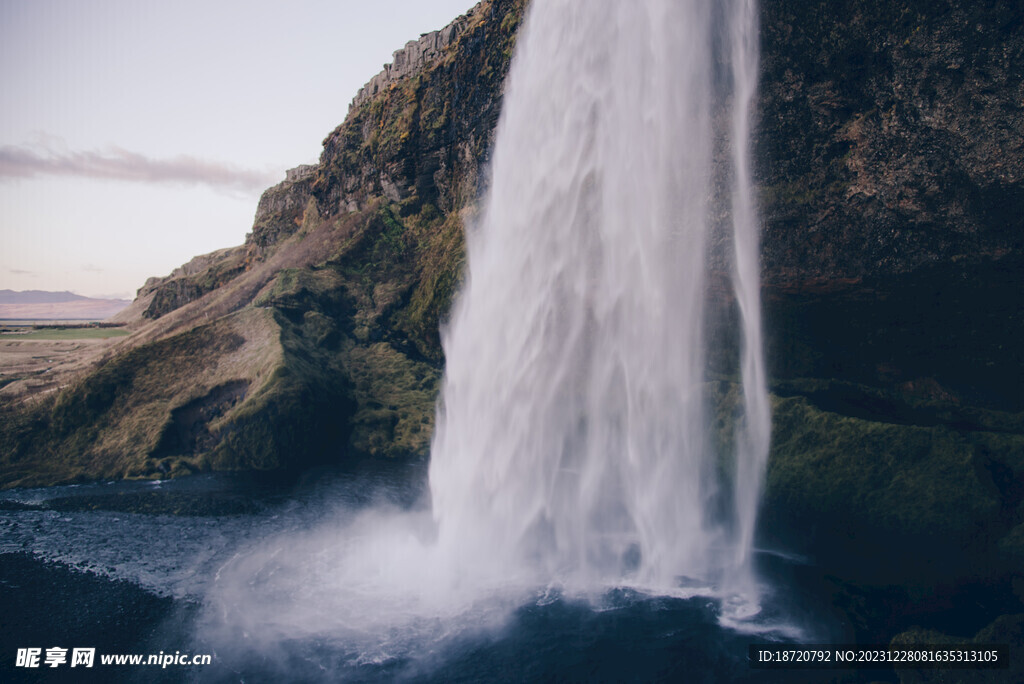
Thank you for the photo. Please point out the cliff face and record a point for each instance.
(890, 160)
(189, 282)
(892, 156)
(280, 212)
(892, 135)
(426, 134)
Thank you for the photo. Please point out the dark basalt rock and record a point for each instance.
(891, 136)
(49, 604)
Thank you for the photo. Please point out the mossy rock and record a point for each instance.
(1006, 630)
(1012, 545)
(880, 501)
(396, 397)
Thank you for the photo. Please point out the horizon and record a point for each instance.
(143, 137)
(77, 295)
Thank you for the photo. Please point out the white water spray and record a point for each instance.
(572, 439)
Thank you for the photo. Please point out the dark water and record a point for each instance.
(628, 638)
(225, 560)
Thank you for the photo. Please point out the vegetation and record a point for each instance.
(66, 334)
(880, 498)
(111, 421)
(395, 395)
(174, 292)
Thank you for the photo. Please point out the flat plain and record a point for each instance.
(43, 360)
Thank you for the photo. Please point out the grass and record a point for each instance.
(112, 421)
(67, 334)
(395, 402)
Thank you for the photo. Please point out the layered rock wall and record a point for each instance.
(891, 136)
(189, 282)
(416, 55)
(280, 211)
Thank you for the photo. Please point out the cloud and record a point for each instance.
(115, 163)
(21, 271)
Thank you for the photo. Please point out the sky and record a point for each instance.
(136, 134)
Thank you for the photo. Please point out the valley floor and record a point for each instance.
(34, 363)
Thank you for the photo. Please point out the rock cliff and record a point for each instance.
(893, 135)
(891, 154)
(414, 57)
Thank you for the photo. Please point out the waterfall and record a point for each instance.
(755, 433)
(579, 449)
(572, 440)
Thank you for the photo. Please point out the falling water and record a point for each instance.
(755, 433)
(572, 440)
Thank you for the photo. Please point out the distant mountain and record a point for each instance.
(41, 305)
(37, 297)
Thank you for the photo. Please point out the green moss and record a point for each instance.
(393, 117)
(890, 478)
(885, 502)
(395, 396)
(295, 421)
(441, 264)
(510, 22)
(433, 120)
(391, 245)
(304, 289)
